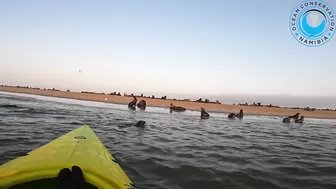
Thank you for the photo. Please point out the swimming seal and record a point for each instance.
(176, 108)
(132, 104)
(204, 114)
(296, 116)
(287, 119)
(142, 105)
(140, 124)
(299, 120)
(231, 115)
(240, 115)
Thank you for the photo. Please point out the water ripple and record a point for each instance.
(176, 151)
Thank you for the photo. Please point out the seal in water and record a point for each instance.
(142, 105)
(140, 124)
(287, 119)
(299, 120)
(240, 115)
(132, 104)
(231, 115)
(176, 108)
(296, 116)
(204, 114)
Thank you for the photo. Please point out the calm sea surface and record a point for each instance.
(180, 150)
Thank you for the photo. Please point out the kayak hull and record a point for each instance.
(80, 147)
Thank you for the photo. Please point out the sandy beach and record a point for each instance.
(210, 107)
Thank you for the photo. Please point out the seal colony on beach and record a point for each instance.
(178, 105)
(205, 115)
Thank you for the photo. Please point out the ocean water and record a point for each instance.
(180, 150)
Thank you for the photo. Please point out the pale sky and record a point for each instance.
(175, 46)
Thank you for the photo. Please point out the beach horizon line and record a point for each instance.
(164, 102)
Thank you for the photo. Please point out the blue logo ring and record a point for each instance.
(312, 23)
(313, 32)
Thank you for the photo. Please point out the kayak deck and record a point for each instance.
(79, 147)
(46, 183)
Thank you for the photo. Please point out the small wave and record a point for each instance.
(8, 106)
(30, 111)
(15, 138)
(15, 98)
(72, 123)
(12, 154)
(5, 141)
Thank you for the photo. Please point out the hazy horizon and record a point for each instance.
(162, 47)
